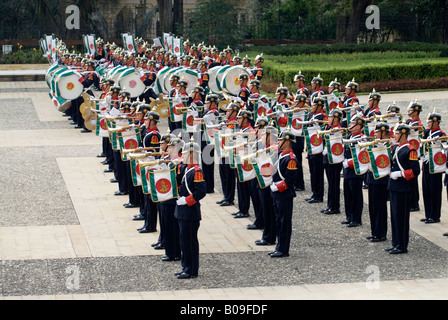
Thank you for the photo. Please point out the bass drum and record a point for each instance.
(51, 71)
(219, 76)
(116, 72)
(68, 85)
(130, 80)
(191, 76)
(229, 81)
(213, 72)
(166, 80)
(158, 85)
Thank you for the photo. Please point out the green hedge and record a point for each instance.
(366, 73)
(289, 50)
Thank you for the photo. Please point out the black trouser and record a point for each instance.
(399, 214)
(150, 213)
(109, 153)
(432, 194)
(315, 163)
(118, 170)
(378, 209)
(227, 175)
(256, 202)
(283, 222)
(247, 190)
(353, 199)
(415, 194)
(333, 172)
(297, 148)
(267, 209)
(208, 166)
(189, 244)
(171, 229)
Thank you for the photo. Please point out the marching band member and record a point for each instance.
(405, 167)
(257, 71)
(333, 170)
(414, 110)
(299, 144)
(203, 76)
(266, 204)
(299, 80)
(188, 210)
(315, 160)
(432, 181)
(353, 196)
(151, 139)
(244, 93)
(316, 84)
(226, 172)
(282, 190)
(378, 187)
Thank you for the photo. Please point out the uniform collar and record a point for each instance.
(286, 152)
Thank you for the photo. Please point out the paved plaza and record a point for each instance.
(65, 235)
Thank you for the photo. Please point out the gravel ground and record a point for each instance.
(322, 250)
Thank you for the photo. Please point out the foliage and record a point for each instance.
(28, 56)
(214, 22)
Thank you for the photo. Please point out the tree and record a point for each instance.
(214, 22)
(350, 13)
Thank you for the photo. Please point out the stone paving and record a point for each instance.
(59, 218)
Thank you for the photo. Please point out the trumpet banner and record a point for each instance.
(135, 172)
(209, 135)
(361, 159)
(89, 44)
(296, 117)
(129, 139)
(189, 122)
(369, 128)
(314, 142)
(437, 159)
(220, 143)
(162, 184)
(264, 170)
(176, 115)
(245, 170)
(335, 148)
(380, 161)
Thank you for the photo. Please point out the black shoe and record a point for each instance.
(130, 205)
(167, 258)
(78, 127)
(236, 213)
(226, 203)
(241, 215)
(220, 201)
(138, 217)
(345, 222)
(73, 123)
(145, 230)
(365, 186)
(108, 170)
(398, 251)
(431, 220)
(414, 209)
(210, 191)
(369, 237)
(113, 180)
(104, 162)
(378, 239)
(278, 254)
(184, 275)
(155, 244)
(446, 234)
(101, 155)
(354, 224)
(389, 249)
(85, 130)
(315, 201)
(253, 227)
(333, 212)
(299, 189)
(308, 199)
(324, 210)
(423, 220)
(263, 243)
(120, 193)
(159, 247)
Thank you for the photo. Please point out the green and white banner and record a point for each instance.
(128, 139)
(335, 148)
(437, 159)
(314, 142)
(361, 159)
(162, 184)
(380, 161)
(264, 169)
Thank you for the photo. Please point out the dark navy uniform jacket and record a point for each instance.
(193, 187)
(406, 157)
(152, 138)
(285, 176)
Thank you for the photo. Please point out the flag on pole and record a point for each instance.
(157, 43)
(177, 47)
(128, 42)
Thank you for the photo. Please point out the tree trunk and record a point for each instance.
(165, 15)
(178, 15)
(348, 25)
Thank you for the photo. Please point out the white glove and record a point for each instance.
(426, 158)
(446, 171)
(395, 175)
(181, 201)
(345, 164)
(274, 188)
(324, 152)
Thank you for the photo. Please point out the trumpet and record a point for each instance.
(253, 155)
(358, 140)
(236, 134)
(350, 108)
(229, 148)
(121, 128)
(153, 163)
(423, 141)
(138, 150)
(319, 132)
(388, 115)
(372, 143)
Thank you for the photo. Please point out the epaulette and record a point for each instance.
(198, 176)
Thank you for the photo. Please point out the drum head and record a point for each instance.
(190, 76)
(131, 81)
(51, 71)
(116, 73)
(159, 86)
(219, 76)
(69, 86)
(229, 82)
(213, 72)
(65, 106)
(166, 81)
